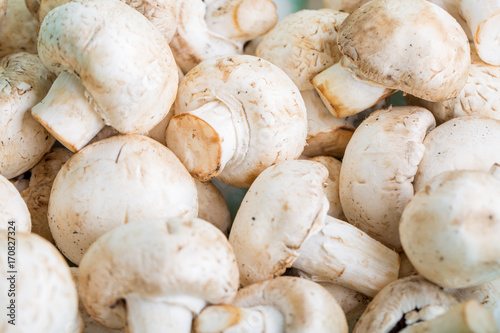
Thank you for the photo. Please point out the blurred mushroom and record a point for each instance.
(283, 304)
(41, 277)
(37, 194)
(124, 75)
(235, 116)
(450, 229)
(387, 45)
(115, 181)
(378, 169)
(13, 208)
(156, 278)
(18, 30)
(24, 81)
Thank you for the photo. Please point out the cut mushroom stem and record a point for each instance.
(243, 19)
(153, 315)
(229, 318)
(343, 254)
(213, 139)
(343, 94)
(483, 18)
(467, 317)
(68, 112)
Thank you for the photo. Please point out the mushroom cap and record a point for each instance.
(284, 206)
(122, 60)
(303, 44)
(23, 83)
(378, 169)
(37, 194)
(169, 257)
(413, 46)
(18, 29)
(402, 302)
(43, 277)
(114, 181)
(266, 108)
(450, 229)
(305, 305)
(13, 208)
(463, 143)
(212, 206)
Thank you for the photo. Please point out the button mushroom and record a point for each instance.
(121, 74)
(284, 304)
(46, 299)
(234, 21)
(413, 46)
(154, 276)
(378, 169)
(17, 30)
(450, 229)
(463, 143)
(24, 81)
(112, 182)
(282, 223)
(212, 206)
(235, 116)
(13, 208)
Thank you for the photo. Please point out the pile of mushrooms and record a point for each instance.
(194, 188)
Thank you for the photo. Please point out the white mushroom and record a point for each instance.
(378, 169)
(156, 278)
(479, 97)
(284, 304)
(212, 206)
(13, 208)
(450, 229)
(120, 73)
(17, 30)
(115, 181)
(37, 194)
(234, 21)
(483, 19)
(453, 8)
(24, 81)
(413, 46)
(403, 303)
(282, 223)
(463, 143)
(40, 284)
(235, 116)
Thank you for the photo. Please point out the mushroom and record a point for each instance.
(23, 83)
(112, 182)
(38, 285)
(156, 278)
(285, 304)
(235, 116)
(483, 19)
(121, 74)
(37, 194)
(17, 29)
(282, 223)
(463, 143)
(332, 185)
(450, 229)
(453, 8)
(387, 45)
(378, 169)
(13, 208)
(402, 303)
(212, 206)
(479, 97)
(234, 22)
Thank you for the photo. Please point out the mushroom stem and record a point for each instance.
(243, 19)
(343, 254)
(68, 112)
(229, 318)
(204, 139)
(152, 315)
(483, 18)
(343, 94)
(467, 317)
